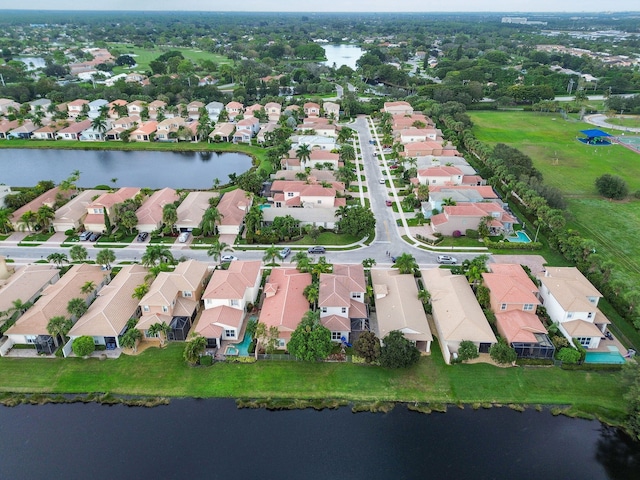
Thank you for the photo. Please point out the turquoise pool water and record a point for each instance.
(604, 357)
(240, 349)
(264, 205)
(522, 237)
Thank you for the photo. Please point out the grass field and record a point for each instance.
(633, 122)
(164, 373)
(143, 56)
(573, 167)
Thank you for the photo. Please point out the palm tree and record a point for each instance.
(160, 330)
(302, 261)
(28, 220)
(345, 134)
(303, 153)
(58, 258)
(424, 296)
(130, 339)
(88, 287)
(44, 215)
(341, 211)
(59, 326)
(169, 216)
(210, 219)
(140, 291)
(405, 263)
(99, 124)
(216, 250)
(157, 253)
(448, 202)
(114, 180)
(312, 293)
(347, 153)
(270, 255)
(322, 266)
(106, 257)
(5, 220)
(19, 307)
(77, 307)
(155, 270)
(78, 253)
(194, 348)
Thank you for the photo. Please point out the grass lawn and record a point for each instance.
(163, 240)
(633, 122)
(164, 373)
(38, 237)
(327, 239)
(3, 237)
(145, 55)
(545, 137)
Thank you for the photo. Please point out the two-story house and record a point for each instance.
(167, 127)
(469, 216)
(398, 108)
(150, 212)
(234, 109)
(311, 109)
(76, 107)
(119, 125)
(94, 221)
(96, 107)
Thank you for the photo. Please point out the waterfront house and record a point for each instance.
(76, 107)
(73, 131)
(150, 212)
(47, 132)
(6, 126)
(145, 132)
(72, 214)
(48, 198)
(120, 125)
(398, 307)
(94, 221)
(223, 132)
(191, 210)
(24, 131)
(167, 129)
(233, 207)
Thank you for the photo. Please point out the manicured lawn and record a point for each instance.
(144, 55)
(163, 240)
(163, 372)
(545, 137)
(327, 238)
(633, 122)
(38, 237)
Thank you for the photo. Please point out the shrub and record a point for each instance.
(196, 232)
(467, 350)
(559, 341)
(502, 353)
(581, 349)
(83, 346)
(457, 234)
(612, 186)
(69, 232)
(568, 355)
(471, 233)
(637, 194)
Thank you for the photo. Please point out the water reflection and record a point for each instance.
(618, 453)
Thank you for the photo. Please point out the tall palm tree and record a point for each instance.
(130, 339)
(216, 250)
(210, 219)
(312, 293)
(302, 261)
(322, 266)
(59, 327)
(5, 220)
(99, 124)
(161, 330)
(28, 220)
(58, 258)
(19, 307)
(106, 257)
(169, 216)
(270, 255)
(406, 263)
(194, 348)
(345, 134)
(78, 253)
(157, 253)
(77, 307)
(88, 287)
(140, 291)
(347, 153)
(341, 211)
(44, 216)
(303, 153)
(155, 270)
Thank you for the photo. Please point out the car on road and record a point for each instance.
(94, 237)
(228, 258)
(184, 236)
(85, 235)
(447, 260)
(393, 167)
(316, 249)
(382, 181)
(142, 236)
(388, 203)
(284, 253)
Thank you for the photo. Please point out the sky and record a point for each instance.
(334, 5)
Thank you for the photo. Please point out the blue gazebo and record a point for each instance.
(595, 137)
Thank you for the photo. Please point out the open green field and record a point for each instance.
(573, 167)
(633, 122)
(144, 55)
(164, 373)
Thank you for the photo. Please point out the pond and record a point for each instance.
(32, 63)
(193, 170)
(342, 55)
(192, 438)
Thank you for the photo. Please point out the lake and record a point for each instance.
(32, 63)
(342, 55)
(194, 170)
(197, 439)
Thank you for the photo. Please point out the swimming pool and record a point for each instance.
(240, 349)
(612, 356)
(521, 237)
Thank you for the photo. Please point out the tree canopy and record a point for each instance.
(310, 340)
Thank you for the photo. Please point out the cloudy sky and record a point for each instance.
(334, 5)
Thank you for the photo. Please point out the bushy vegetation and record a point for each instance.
(83, 346)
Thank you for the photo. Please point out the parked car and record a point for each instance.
(184, 236)
(447, 260)
(85, 235)
(393, 167)
(94, 237)
(284, 253)
(316, 249)
(388, 203)
(382, 181)
(142, 236)
(228, 258)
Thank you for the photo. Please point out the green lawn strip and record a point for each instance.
(163, 240)
(326, 239)
(163, 372)
(38, 237)
(633, 122)
(3, 237)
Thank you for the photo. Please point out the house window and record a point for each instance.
(344, 310)
(187, 294)
(590, 315)
(528, 307)
(145, 308)
(569, 314)
(336, 335)
(230, 333)
(593, 300)
(584, 341)
(281, 343)
(289, 194)
(234, 302)
(278, 205)
(165, 309)
(324, 309)
(30, 338)
(319, 201)
(356, 295)
(503, 306)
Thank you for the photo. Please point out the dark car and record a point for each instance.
(316, 250)
(85, 235)
(94, 237)
(142, 236)
(388, 203)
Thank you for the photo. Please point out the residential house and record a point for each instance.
(341, 301)
(465, 216)
(411, 135)
(320, 127)
(572, 302)
(136, 108)
(73, 131)
(316, 217)
(273, 110)
(107, 317)
(155, 107)
(40, 105)
(76, 107)
(48, 198)
(192, 209)
(71, 215)
(246, 129)
(250, 111)
(8, 105)
(173, 298)
(193, 109)
(398, 108)
(400, 122)
(120, 125)
(145, 132)
(166, 129)
(7, 126)
(314, 142)
(331, 110)
(311, 109)
(223, 132)
(398, 307)
(226, 301)
(93, 133)
(96, 106)
(300, 194)
(444, 176)
(25, 284)
(233, 206)
(440, 194)
(456, 313)
(234, 109)
(31, 327)
(514, 299)
(47, 132)
(150, 212)
(317, 159)
(284, 302)
(418, 149)
(214, 109)
(94, 221)
(265, 129)
(24, 131)
(113, 112)
(314, 175)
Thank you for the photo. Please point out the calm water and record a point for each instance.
(198, 439)
(25, 167)
(342, 55)
(32, 62)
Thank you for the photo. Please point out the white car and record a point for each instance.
(184, 236)
(447, 260)
(228, 258)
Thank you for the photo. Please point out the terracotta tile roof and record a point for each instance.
(510, 284)
(286, 307)
(192, 208)
(108, 200)
(336, 323)
(150, 212)
(75, 208)
(213, 321)
(233, 206)
(519, 326)
(485, 191)
(25, 283)
(440, 171)
(233, 283)
(47, 198)
(334, 291)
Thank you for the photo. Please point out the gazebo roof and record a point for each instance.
(595, 132)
